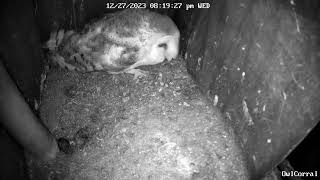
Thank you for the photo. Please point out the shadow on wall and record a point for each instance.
(259, 62)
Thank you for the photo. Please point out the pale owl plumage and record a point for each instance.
(117, 43)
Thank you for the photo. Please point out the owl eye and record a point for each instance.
(163, 45)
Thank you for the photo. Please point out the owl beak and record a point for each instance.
(169, 58)
(172, 50)
(171, 53)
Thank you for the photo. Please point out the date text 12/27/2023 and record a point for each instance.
(175, 5)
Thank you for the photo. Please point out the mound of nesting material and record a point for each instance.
(159, 127)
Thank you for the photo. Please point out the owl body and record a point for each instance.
(117, 43)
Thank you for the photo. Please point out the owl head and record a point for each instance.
(169, 45)
(157, 37)
(162, 47)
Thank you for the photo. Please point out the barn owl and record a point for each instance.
(117, 43)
